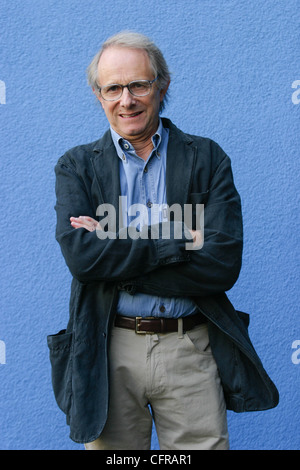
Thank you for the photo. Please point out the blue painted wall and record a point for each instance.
(235, 78)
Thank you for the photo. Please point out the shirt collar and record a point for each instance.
(122, 145)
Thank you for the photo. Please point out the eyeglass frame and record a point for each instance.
(127, 86)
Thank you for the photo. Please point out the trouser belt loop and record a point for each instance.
(163, 325)
(180, 328)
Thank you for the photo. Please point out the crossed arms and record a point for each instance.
(155, 266)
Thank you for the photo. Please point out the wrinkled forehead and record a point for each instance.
(122, 65)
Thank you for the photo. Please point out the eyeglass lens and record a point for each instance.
(137, 88)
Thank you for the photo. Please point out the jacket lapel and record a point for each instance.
(105, 163)
(180, 163)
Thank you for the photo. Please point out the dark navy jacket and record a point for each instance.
(198, 172)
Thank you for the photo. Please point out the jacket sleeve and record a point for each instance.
(90, 258)
(215, 267)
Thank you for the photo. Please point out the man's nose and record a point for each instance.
(127, 99)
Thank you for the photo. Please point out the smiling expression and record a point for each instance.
(134, 118)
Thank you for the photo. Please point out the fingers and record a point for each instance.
(197, 238)
(86, 222)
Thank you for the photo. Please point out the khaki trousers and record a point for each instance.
(177, 376)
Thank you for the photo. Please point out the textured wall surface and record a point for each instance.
(235, 78)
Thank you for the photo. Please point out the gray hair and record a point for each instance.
(134, 40)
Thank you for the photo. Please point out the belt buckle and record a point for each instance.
(137, 325)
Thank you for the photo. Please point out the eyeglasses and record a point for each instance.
(114, 91)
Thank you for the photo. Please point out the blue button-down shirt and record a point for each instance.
(144, 183)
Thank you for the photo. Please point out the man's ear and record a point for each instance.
(98, 96)
(164, 91)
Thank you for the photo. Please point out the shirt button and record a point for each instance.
(162, 308)
(126, 146)
(146, 170)
(149, 204)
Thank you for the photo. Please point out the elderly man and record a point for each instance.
(152, 334)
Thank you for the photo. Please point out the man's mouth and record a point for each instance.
(130, 116)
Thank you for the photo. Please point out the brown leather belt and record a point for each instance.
(152, 325)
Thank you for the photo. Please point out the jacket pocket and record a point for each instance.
(60, 348)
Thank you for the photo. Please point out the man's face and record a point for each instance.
(134, 118)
